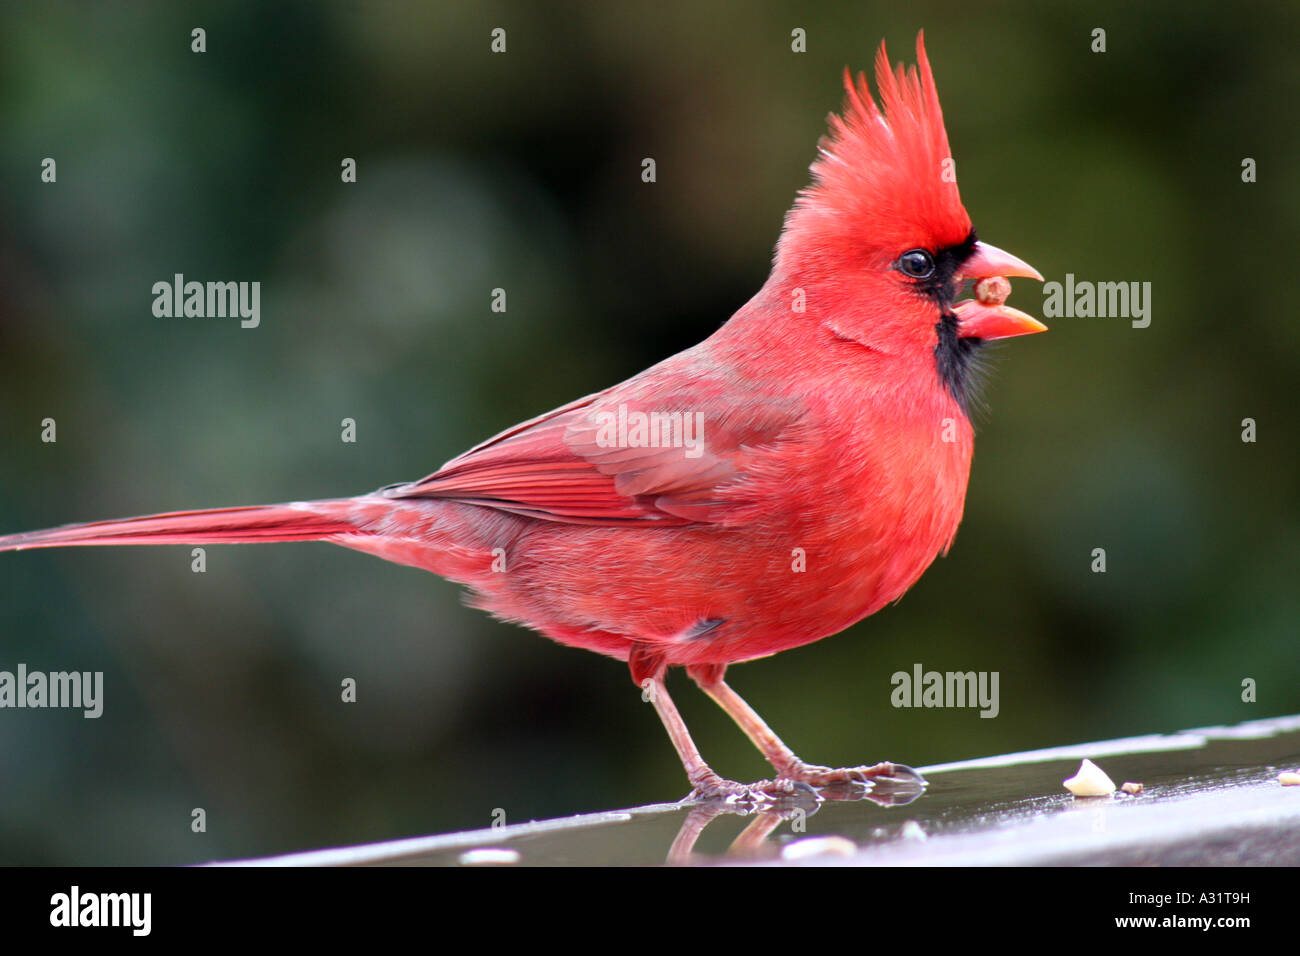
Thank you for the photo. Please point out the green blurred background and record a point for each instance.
(522, 171)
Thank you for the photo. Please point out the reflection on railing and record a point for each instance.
(753, 843)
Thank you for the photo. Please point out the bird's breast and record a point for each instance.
(874, 505)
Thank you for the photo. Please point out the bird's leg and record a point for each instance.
(700, 774)
(787, 765)
(648, 673)
(706, 783)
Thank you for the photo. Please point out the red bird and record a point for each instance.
(785, 478)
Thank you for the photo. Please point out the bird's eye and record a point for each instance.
(916, 263)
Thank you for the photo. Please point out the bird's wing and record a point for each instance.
(648, 452)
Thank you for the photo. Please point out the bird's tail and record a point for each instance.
(308, 521)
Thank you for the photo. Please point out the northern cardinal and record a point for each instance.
(785, 478)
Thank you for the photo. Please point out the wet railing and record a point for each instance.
(1211, 796)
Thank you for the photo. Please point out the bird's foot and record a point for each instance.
(814, 776)
(744, 798)
(885, 783)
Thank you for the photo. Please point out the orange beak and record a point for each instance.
(980, 321)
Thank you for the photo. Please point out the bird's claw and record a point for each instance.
(807, 786)
(892, 777)
(747, 798)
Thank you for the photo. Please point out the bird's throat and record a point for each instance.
(955, 360)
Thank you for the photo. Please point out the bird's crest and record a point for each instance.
(884, 169)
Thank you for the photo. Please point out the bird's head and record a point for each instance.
(882, 233)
